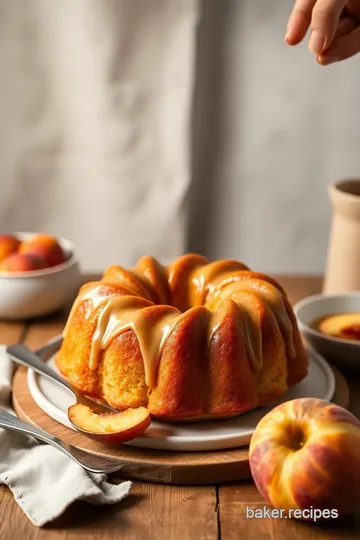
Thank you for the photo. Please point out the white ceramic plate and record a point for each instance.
(212, 435)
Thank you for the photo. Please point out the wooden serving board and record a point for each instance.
(179, 468)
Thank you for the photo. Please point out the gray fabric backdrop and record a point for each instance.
(158, 126)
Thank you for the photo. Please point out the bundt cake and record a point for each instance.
(192, 340)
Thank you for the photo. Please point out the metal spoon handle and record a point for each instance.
(90, 462)
(24, 356)
(13, 423)
(50, 348)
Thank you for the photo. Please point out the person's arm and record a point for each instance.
(334, 28)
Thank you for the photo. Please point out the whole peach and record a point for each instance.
(305, 454)
(44, 246)
(8, 244)
(19, 262)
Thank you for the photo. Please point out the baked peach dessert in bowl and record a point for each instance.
(331, 325)
(39, 274)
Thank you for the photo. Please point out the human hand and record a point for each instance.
(334, 26)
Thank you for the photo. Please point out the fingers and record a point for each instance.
(299, 21)
(342, 48)
(346, 25)
(335, 32)
(353, 9)
(323, 18)
(324, 23)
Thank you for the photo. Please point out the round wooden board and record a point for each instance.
(186, 468)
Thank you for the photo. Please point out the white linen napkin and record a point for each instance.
(43, 480)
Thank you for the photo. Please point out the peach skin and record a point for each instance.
(18, 262)
(8, 244)
(305, 454)
(45, 246)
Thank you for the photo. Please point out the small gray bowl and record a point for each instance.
(339, 351)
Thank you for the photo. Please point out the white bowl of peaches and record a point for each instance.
(39, 274)
(331, 325)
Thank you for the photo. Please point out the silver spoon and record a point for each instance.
(91, 462)
(24, 356)
(50, 348)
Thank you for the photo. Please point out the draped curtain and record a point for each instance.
(95, 113)
(156, 127)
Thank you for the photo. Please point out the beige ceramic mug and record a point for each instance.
(343, 260)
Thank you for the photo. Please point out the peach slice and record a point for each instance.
(113, 428)
(342, 326)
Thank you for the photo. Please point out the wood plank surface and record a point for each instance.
(11, 333)
(234, 501)
(43, 330)
(150, 512)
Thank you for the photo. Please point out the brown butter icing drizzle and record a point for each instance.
(121, 313)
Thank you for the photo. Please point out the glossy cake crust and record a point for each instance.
(189, 341)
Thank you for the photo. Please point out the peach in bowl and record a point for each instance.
(38, 274)
(331, 325)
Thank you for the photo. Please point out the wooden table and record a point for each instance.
(160, 512)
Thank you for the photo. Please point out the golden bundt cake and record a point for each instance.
(189, 341)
